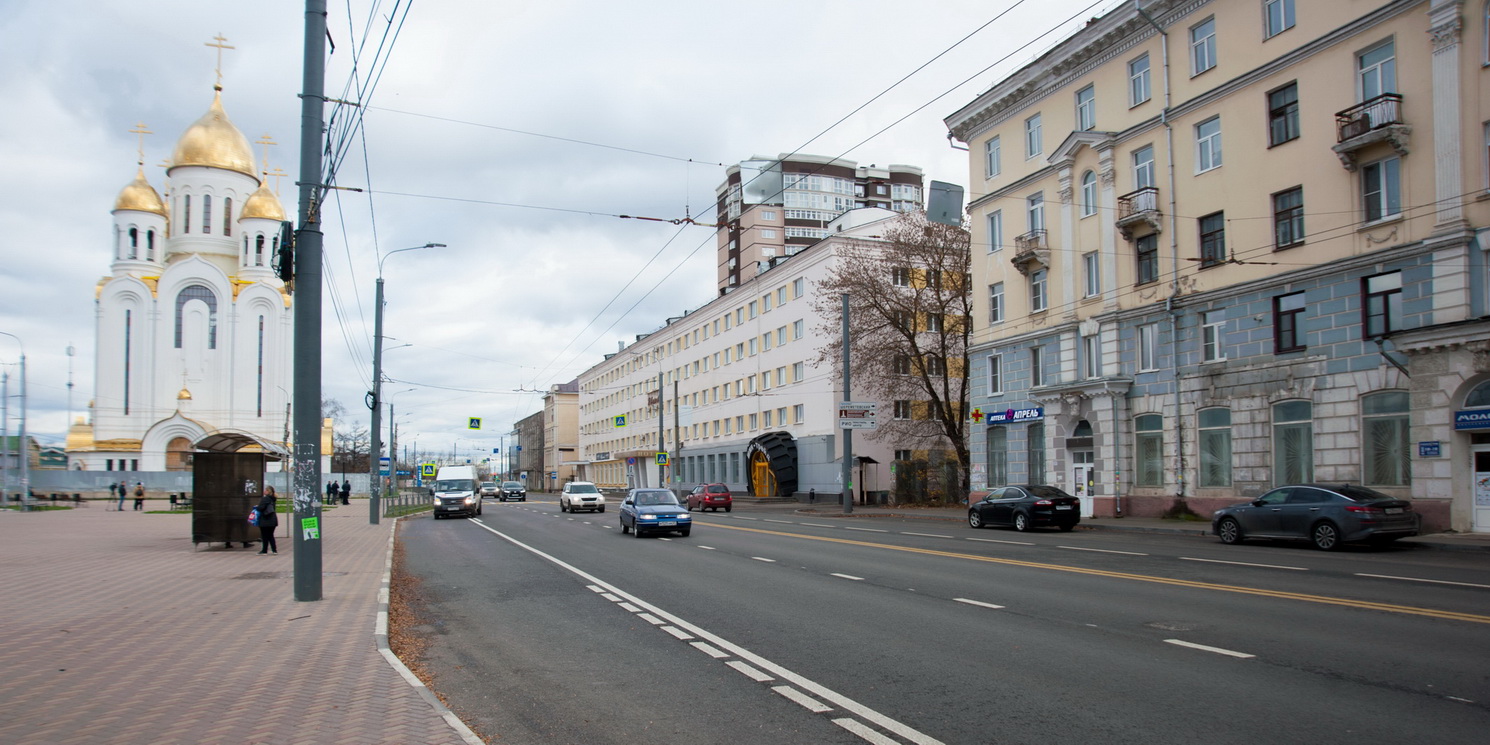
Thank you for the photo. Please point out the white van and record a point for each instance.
(455, 492)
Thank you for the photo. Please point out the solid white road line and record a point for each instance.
(1204, 648)
(925, 535)
(1244, 564)
(848, 576)
(868, 734)
(762, 558)
(709, 649)
(869, 530)
(1102, 550)
(995, 540)
(978, 603)
(749, 671)
(843, 702)
(1419, 579)
(807, 702)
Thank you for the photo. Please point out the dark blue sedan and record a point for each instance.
(654, 511)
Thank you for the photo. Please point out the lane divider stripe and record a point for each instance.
(1204, 648)
(805, 701)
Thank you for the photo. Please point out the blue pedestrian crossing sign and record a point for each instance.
(662, 459)
(619, 420)
(427, 470)
(474, 423)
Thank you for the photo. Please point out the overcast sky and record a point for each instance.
(511, 131)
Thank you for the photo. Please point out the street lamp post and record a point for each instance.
(25, 452)
(374, 506)
(393, 440)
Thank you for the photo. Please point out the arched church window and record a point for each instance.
(274, 246)
(150, 245)
(204, 294)
(259, 250)
(227, 215)
(178, 454)
(245, 250)
(134, 243)
(207, 214)
(186, 214)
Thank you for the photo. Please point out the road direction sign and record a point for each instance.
(857, 414)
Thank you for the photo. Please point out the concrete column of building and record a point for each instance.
(1445, 25)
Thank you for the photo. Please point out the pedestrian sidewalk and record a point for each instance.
(1440, 541)
(114, 629)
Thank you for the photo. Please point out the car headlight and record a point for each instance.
(470, 499)
(649, 517)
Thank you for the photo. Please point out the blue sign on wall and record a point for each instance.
(1472, 419)
(1017, 415)
(1429, 449)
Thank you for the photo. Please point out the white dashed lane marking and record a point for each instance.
(1204, 648)
(762, 558)
(1417, 579)
(1102, 550)
(848, 576)
(925, 535)
(805, 701)
(868, 530)
(995, 540)
(749, 671)
(868, 734)
(978, 603)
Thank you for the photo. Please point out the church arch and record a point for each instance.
(178, 454)
(206, 295)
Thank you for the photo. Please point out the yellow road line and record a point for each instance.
(1282, 595)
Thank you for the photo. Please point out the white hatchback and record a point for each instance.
(581, 495)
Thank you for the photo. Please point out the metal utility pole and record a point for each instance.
(661, 433)
(848, 434)
(306, 479)
(677, 455)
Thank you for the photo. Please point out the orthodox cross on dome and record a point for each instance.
(217, 41)
(140, 130)
(277, 174)
(266, 141)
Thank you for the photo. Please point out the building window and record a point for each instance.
(1088, 194)
(1278, 16)
(1381, 188)
(1212, 324)
(1381, 313)
(1037, 291)
(902, 364)
(1377, 71)
(1202, 46)
(766, 418)
(1032, 143)
(902, 455)
(1086, 109)
(1037, 366)
(1149, 449)
(1035, 208)
(1138, 81)
(995, 230)
(1093, 277)
(998, 455)
(207, 214)
(992, 154)
(1143, 167)
(1091, 356)
(1213, 239)
(1148, 347)
(799, 413)
(995, 303)
(934, 323)
(207, 296)
(186, 214)
(227, 216)
(995, 374)
(1146, 249)
(1287, 310)
(796, 329)
(799, 286)
(1293, 443)
(935, 367)
(1283, 114)
(1208, 145)
(1215, 446)
(1384, 421)
(900, 276)
(1288, 217)
(902, 410)
(1035, 452)
(797, 375)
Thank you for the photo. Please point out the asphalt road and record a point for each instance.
(766, 626)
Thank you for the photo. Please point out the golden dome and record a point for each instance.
(214, 141)
(139, 195)
(262, 204)
(80, 436)
(184, 395)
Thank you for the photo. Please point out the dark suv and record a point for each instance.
(514, 490)
(714, 496)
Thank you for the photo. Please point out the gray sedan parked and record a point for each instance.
(1327, 515)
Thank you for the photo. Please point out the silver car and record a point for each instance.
(1327, 515)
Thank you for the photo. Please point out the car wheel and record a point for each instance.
(636, 530)
(1066, 527)
(602, 509)
(1021, 522)
(1325, 535)
(1229, 531)
(726, 509)
(974, 520)
(685, 533)
(624, 529)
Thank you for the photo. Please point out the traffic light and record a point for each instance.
(284, 264)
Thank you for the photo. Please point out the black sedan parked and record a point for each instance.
(1326, 515)
(1026, 506)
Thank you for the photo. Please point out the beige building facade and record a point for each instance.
(1225, 245)
(560, 436)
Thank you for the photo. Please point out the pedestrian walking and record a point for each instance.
(123, 490)
(268, 521)
(331, 491)
(139, 497)
(346, 492)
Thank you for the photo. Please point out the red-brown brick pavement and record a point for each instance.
(113, 629)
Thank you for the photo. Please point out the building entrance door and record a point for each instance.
(1083, 479)
(1481, 510)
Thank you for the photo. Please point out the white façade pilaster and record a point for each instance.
(1444, 26)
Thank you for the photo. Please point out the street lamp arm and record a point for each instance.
(385, 256)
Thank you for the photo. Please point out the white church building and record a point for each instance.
(194, 329)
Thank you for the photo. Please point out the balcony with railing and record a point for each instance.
(1031, 252)
(1367, 123)
(1138, 209)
